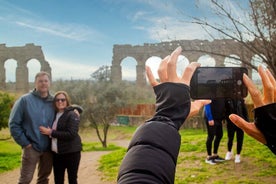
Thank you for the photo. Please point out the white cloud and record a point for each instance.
(67, 70)
(70, 31)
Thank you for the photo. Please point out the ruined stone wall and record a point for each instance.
(21, 55)
(192, 50)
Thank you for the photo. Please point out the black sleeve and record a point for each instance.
(153, 151)
(265, 121)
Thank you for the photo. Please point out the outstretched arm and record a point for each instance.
(263, 128)
(153, 150)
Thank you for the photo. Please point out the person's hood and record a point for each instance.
(48, 98)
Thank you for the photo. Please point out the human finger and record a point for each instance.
(254, 92)
(196, 106)
(249, 128)
(162, 70)
(268, 90)
(273, 81)
(171, 69)
(150, 76)
(188, 72)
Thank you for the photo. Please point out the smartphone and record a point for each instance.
(218, 82)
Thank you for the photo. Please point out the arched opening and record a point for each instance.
(232, 61)
(154, 62)
(128, 66)
(206, 60)
(257, 61)
(10, 71)
(34, 67)
(182, 63)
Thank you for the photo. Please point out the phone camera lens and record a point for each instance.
(239, 82)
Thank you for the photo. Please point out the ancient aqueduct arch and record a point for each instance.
(192, 50)
(22, 55)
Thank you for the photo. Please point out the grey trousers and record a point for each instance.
(30, 158)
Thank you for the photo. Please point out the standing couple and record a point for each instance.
(46, 127)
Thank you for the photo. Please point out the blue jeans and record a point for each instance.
(30, 158)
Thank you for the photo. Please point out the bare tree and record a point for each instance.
(256, 35)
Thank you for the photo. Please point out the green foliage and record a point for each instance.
(102, 74)
(6, 102)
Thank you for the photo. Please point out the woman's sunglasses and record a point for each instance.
(60, 99)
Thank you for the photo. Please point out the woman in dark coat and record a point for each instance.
(66, 142)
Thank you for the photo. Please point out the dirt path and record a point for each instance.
(87, 172)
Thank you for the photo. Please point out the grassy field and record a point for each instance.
(258, 163)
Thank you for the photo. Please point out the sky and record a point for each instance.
(77, 37)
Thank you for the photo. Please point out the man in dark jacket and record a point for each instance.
(153, 151)
(28, 113)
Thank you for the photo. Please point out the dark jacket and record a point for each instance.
(215, 110)
(236, 106)
(265, 121)
(68, 139)
(153, 151)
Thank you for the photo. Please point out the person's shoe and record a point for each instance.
(228, 155)
(237, 159)
(218, 159)
(210, 160)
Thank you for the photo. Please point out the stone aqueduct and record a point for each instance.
(22, 55)
(192, 50)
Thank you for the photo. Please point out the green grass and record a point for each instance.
(10, 155)
(258, 163)
(96, 146)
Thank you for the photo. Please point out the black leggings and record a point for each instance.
(69, 161)
(216, 132)
(231, 129)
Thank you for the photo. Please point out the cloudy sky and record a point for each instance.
(77, 37)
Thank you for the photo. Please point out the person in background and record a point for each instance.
(153, 150)
(214, 115)
(66, 142)
(263, 129)
(30, 111)
(234, 106)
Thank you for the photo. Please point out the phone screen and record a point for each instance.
(218, 82)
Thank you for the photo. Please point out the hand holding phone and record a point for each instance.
(218, 82)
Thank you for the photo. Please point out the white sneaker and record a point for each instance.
(237, 159)
(228, 155)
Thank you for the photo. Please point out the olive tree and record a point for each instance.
(6, 102)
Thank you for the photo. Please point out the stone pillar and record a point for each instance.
(140, 77)
(116, 73)
(219, 60)
(46, 67)
(22, 82)
(192, 57)
(2, 75)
